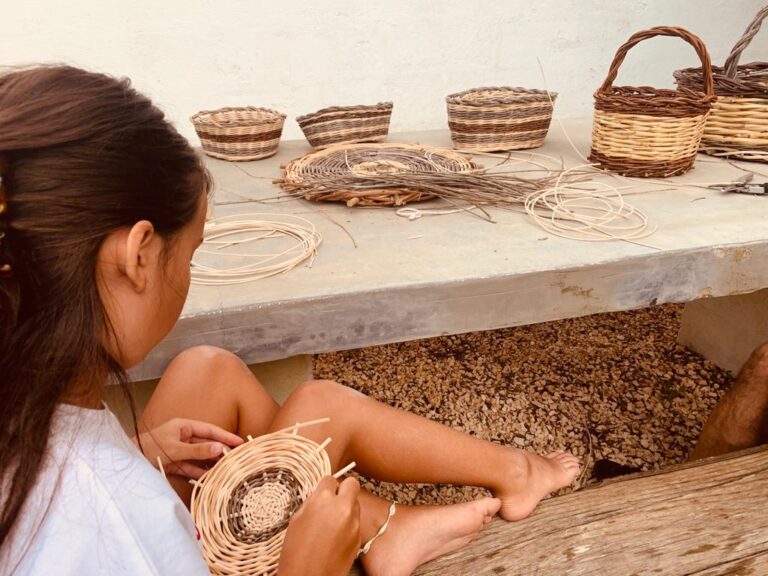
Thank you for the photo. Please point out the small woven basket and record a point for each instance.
(496, 119)
(239, 134)
(737, 127)
(346, 124)
(242, 506)
(650, 132)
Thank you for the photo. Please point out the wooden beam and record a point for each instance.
(704, 519)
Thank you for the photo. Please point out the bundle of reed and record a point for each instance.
(369, 163)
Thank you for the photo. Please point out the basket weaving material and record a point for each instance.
(239, 134)
(346, 124)
(645, 131)
(504, 118)
(737, 127)
(243, 504)
(370, 160)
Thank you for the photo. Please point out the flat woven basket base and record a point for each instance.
(243, 504)
(372, 160)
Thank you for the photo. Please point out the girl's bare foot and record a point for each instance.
(418, 534)
(532, 478)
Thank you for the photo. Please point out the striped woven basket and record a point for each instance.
(738, 124)
(239, 134)
(346, 124)
(502, 118)
(650, 132)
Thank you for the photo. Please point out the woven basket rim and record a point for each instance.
(261, 117)
(383, 106)
(742, 84)
(516, 94)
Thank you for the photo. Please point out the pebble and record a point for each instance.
(619, 377)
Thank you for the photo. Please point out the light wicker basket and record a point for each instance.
(500, 118)
(243, 504)
(346, 124)
(737, 127)
(650, 132)
(239, 134)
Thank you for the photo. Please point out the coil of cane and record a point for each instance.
(371, 160)
(650, 132)
(243, 504)
(499, 119)
(239, 134)
(346, 124)
(737, 127)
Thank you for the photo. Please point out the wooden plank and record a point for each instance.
(702, 519)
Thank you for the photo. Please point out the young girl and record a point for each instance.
(102, 205)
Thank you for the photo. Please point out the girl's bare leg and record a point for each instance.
(386, 443)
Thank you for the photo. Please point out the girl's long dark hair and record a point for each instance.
(81, 155)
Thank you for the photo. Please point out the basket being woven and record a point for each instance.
(368, 161)
(346, 124)
(496, 119)
(243, 504)
(239, 134)
(650, 132)
(737, 127)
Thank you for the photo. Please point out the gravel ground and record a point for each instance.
(606, 386)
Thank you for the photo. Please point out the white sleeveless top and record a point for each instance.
(111, 513)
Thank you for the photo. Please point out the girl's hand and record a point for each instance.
(186, 446)
(324, 535)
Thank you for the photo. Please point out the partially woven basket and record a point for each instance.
(242, 506)
(239, 134)
(497, 119)
(346, 124)
(333, 174)
(650, 132)
(737, 127)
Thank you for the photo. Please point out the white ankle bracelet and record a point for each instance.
(367, 546)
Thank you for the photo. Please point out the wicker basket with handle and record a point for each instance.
(650, 132)
(737, 127)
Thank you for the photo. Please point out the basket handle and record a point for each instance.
(732, 63)
(638, 37)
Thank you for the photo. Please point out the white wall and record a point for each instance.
(298, 56)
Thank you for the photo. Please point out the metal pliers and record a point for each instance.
(743, 186)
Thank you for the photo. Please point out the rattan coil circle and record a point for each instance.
(243, 504)
(650, 132)
(346, 124)
(239, 134)
(737, 127)
(370, 161)
(499, 118)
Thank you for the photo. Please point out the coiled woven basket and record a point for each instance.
(650, 132)
(737, 127)
(242, 506)
(239, 134)
(500, 118)
(346, 124)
